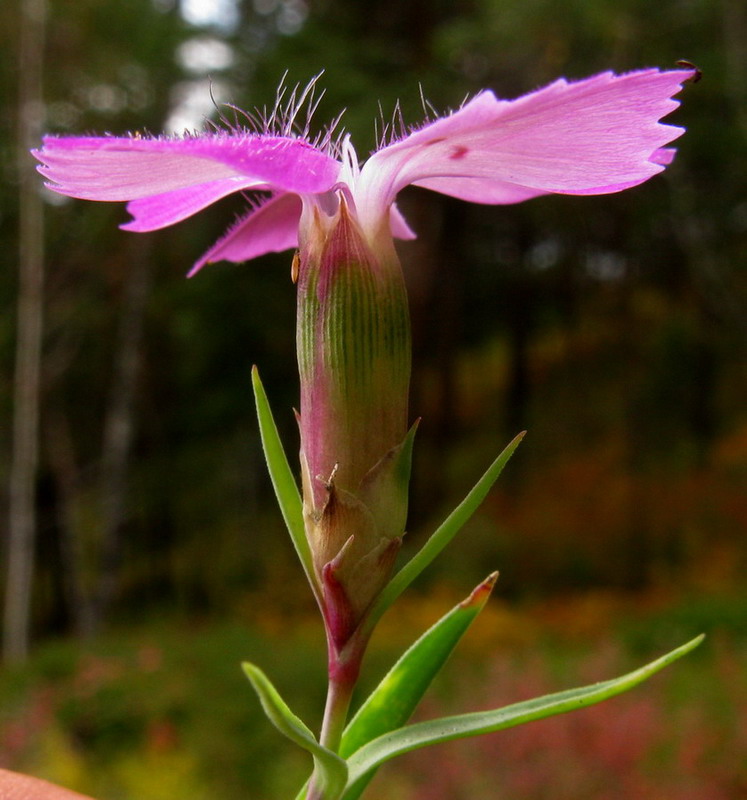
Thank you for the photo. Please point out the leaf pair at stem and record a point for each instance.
(378, 732)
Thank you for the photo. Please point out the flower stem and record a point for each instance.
(339, 694)
(344, 668)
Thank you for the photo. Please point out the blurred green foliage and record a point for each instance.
(162, 710)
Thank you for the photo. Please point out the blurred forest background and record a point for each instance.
(612, 328)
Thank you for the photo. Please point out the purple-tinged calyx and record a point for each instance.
(353, 339)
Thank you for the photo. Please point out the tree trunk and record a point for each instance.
(25, 456)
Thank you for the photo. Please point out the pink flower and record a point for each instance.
(593, 136)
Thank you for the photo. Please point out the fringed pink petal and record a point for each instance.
(161, 210)
(399, 226)
(269, 228)
(130, 168)
(481, 190)
(597, 135)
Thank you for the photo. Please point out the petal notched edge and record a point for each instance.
(597, 135)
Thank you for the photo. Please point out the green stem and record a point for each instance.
(339, 694)
(344, 668)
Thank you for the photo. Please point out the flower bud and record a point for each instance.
(354, 361)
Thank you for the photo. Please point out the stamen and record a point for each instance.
(291, 116)
(429, 110)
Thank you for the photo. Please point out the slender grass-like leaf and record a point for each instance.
(392, 702)
(412, 737)
(441, 536)
(329, 768)
(286, 489)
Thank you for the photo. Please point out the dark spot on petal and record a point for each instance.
(459, 151)
(435, 141)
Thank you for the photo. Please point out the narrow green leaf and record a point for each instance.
(390, 705)
(329, 768)
(441, 536)
(286, 489)
(392, 702)
(412, 737)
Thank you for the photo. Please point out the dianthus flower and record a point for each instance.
(594, 136)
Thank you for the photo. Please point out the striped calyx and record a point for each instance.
(353, 339)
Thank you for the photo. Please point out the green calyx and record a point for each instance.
(354, 349)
